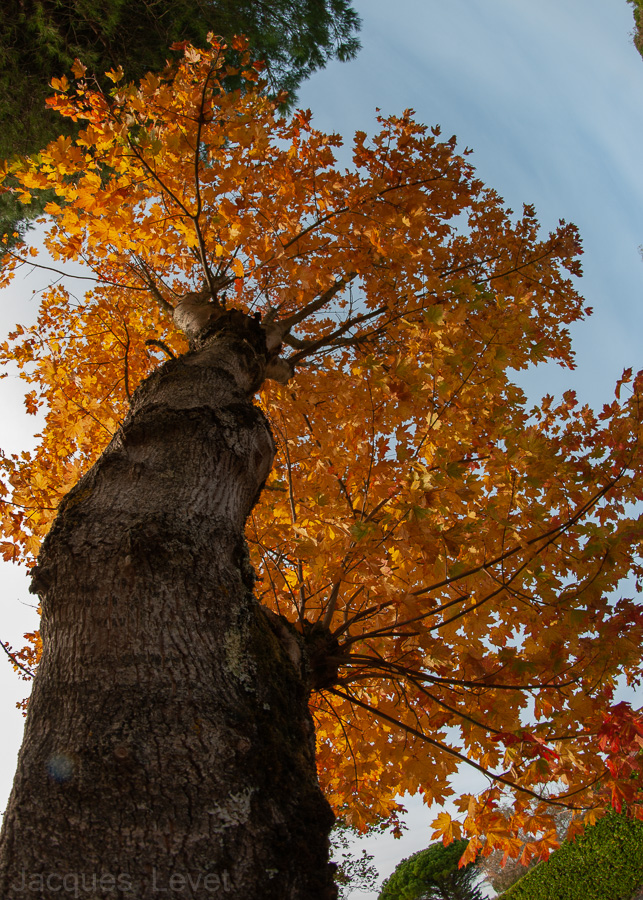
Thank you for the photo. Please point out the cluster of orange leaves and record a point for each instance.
(467, 553)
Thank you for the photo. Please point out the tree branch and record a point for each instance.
(151, 284)
(15, 661)
(501, 779)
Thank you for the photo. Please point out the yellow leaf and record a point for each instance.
(237, 267)
(60, 84)
(443, 824)
(78, 68)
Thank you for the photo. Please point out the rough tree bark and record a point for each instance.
(168, 744)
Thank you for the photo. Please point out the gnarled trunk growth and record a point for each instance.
(168, 744)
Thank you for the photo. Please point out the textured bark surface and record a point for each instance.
(168, 745)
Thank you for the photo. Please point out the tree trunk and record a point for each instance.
(168, 746)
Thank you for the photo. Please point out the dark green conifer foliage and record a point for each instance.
(39, 40)
(637, 37)
(433, 874)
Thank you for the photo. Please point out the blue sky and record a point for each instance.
(550, 98)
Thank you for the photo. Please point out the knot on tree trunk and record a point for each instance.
(323, 653)
(314, 652)
(204, 320)
(233, 322)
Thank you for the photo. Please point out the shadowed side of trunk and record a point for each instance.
(168, 745)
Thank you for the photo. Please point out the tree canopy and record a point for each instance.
(502, 872)
(638, 24)
(40, 41)
(454, 558)
(434, 874)
(354, 871)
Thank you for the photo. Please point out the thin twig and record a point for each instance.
(15, 661)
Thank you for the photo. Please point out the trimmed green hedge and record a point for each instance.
(604, 863)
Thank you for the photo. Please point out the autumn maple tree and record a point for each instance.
(441, 566)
